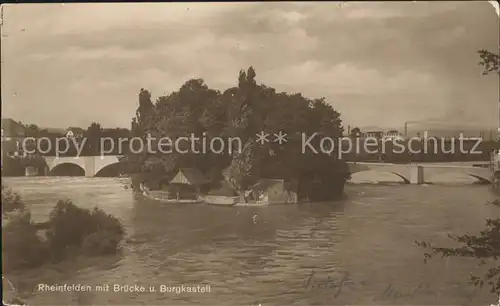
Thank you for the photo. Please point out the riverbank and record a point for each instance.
(25, 282)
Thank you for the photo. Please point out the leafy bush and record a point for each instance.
(70, 229)
(485, 247)
(11, 201)
(106, 236)
(100, 243)
(21, 245)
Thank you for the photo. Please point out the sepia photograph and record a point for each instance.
(250, 153)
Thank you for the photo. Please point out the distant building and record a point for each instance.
(12, 129)
(393, 135)
(115, 132)
(373, 134)
(188, 181)
(55, 132)
(74, 132)
(465, 137)
(13, 134)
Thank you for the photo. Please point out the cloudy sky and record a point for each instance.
(379, 64)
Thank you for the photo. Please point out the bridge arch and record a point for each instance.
(110, 170)
(421, 173)
(67, 169)
(92, 165)
(405, 180)
(481, 179)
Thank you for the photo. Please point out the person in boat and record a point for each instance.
(143, 188)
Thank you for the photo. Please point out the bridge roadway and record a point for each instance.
(410, 173)
(417, 173)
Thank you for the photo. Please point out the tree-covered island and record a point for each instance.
(241, 112)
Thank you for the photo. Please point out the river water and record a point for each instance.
(269, 255)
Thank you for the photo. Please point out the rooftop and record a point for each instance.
(11, 128)
(76, 129)
(190, 176)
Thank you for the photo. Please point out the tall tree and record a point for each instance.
(145, 107)
(355, 132)
(93, 135)
(243, 171)
(490, 61)
(32, 130)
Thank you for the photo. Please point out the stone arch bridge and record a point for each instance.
(417, 173)
(409, 173)
(89, 165)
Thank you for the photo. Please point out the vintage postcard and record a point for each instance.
(251, 153)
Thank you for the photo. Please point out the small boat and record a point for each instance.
(220, 200)
(254, 203)
(163, 196)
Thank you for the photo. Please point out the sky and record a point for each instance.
(377, 63)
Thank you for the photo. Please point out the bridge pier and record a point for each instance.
(89, 164)
(417, 175)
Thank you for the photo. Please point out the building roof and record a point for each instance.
(75, 130)
(9, 146)
(54, 131)
(189, 176)
(11, 128)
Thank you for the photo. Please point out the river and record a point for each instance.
(269, 255)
